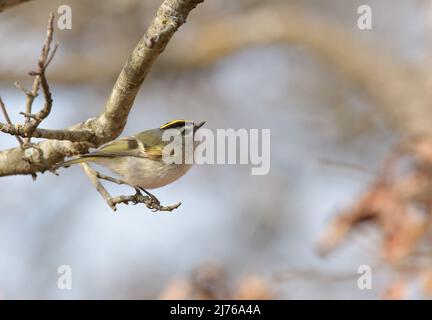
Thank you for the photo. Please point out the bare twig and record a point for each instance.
(110, 179)
(345, 165)
(51, 56)
(33, 120)
(19, 86)
(30, 96)
(92, 175)
(148, 201)
(8, 120)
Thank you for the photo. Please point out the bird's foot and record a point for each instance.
(152, 202)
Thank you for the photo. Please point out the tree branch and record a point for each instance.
(52, 134)
(397, 88)
(109, 125)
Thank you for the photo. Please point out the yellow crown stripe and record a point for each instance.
(174, 122)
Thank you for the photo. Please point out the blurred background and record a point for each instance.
(329, 92)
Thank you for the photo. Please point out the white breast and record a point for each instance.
(145, 173)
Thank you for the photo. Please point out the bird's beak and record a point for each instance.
(199, 125)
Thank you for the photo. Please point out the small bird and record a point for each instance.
(138, 159)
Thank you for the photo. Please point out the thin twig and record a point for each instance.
(32, 121)
(344, 164)
(19, 86)
(30, 96)
(91, 174)
(41, 81)
(51, 56)
(148, 201)
(8, 120)
(108, 178)
(30, 128)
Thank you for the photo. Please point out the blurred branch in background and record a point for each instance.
(211, 282)
(398, 88)
(399, 203)
(6, 4)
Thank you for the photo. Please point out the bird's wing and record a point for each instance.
(128, 146)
